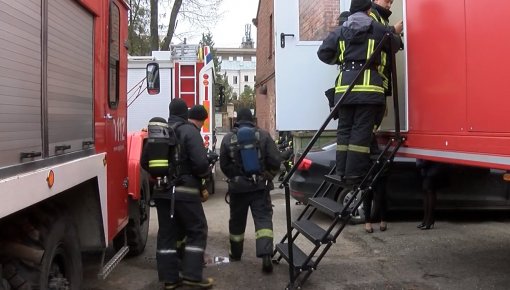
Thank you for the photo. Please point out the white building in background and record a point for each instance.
(240, 66)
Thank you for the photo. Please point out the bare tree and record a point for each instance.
(199, 14)
(154, 25)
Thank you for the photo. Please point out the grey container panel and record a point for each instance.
(70, 76)
(20, 79)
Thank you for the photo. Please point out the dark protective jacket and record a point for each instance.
(193, 165)
(233, 169)
(382, 15)
(350, 46)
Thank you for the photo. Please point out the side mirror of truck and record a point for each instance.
(221, 96)
(152, 75)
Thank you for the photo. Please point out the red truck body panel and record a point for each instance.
(456, 70)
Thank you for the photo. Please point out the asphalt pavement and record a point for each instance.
(463, 251)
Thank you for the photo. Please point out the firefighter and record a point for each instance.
(351, 45)
(189, 218)
(197, 116)
(250, 191)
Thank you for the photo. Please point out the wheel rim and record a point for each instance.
(359, 213)
(58, 276)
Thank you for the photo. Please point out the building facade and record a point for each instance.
(265, 98)
(239, 64)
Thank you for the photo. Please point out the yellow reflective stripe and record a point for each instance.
(237, 238)
(264, 233)
(357, 148)
(339, 82)
(370, 50)
(342, 46)
(372, 14)
(360, 88)
(186, 189)
(341, 147)
(158, 163)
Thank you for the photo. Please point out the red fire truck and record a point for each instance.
(70, 179)
(186, 72)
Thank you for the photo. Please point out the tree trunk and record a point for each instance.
(154, 25)
(171, 25)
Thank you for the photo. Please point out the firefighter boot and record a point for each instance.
(174, 285)
(206, 283)
(267, 264)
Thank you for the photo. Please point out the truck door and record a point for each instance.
(115, 120)
(301, 78)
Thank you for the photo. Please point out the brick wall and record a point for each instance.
(317, 18)
(265, 89)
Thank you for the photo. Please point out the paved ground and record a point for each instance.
(463, 252)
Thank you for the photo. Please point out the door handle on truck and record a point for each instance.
(282, 38)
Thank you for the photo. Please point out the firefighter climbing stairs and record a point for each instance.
(304, 262)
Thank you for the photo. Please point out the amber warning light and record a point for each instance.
(50, 179)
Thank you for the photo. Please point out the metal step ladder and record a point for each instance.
(324, 200)
(301, 262)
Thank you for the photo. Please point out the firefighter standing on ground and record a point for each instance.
(189, 217)
(197, 116)
(246, 193)
(351, 45)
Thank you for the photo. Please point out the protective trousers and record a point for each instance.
(259, 203)
(189, 220)
(354, 134)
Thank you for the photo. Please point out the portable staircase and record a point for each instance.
(302, 263)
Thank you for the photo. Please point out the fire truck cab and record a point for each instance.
(65, 187)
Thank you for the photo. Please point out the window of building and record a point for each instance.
(234, 80)
(231, 58)
(219, 58)
(113, 74)
(254, 58)
(246, 78)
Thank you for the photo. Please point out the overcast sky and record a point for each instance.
(229, 32)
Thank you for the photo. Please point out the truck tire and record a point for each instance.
(61, 266)
(137, 229)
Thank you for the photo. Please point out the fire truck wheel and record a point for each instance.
(61, 266)
(138, 226)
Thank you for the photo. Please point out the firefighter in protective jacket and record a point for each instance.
(350, 46)
(189, 218)
(250, 191)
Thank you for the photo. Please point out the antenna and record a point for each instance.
(247, 41)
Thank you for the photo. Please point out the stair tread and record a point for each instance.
(298, 255)
(326, 205)
(312, 231)
(335, 179)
